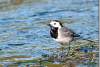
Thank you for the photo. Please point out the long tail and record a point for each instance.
(80, 37)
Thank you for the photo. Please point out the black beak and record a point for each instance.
(49, 25)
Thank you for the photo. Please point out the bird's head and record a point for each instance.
(55, 24)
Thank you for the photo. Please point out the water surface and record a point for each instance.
(24, 30)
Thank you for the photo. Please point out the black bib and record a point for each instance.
(54, 32)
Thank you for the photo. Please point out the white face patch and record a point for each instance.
(55, 24)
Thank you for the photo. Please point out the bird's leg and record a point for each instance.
(61, 54)
(57, 54)
(68, 49)
(62, 49)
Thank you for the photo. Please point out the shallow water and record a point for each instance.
(24, 30)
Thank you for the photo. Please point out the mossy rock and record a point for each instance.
(54, 65)
(1, 65)
(13, 65)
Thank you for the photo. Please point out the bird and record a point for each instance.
(61, 34)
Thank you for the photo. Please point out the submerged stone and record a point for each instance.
(16, 44)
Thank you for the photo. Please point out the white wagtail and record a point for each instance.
(61, 34)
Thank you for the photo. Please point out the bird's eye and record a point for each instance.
(54, 23)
